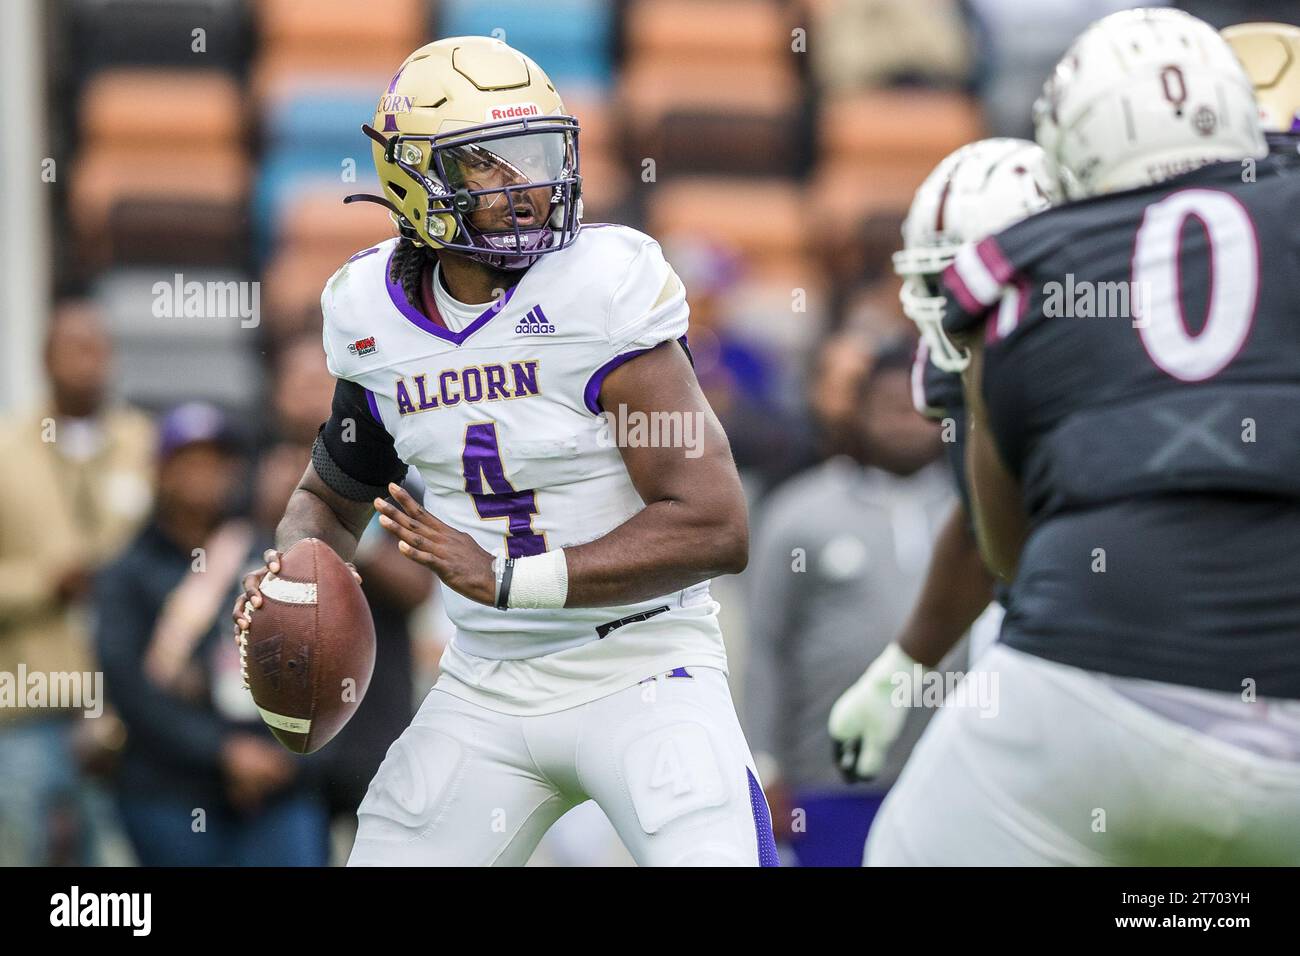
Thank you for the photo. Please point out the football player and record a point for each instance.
(1132, 389)
(975, 191)
(1270, 52)
(481, 346)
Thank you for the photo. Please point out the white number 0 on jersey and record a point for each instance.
(1234, 283)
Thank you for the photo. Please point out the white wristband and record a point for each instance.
(540, 581)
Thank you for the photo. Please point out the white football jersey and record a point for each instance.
(501, 419)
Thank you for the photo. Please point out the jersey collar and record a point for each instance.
(438, 328)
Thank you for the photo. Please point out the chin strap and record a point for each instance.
(388, 204)
(378, 200)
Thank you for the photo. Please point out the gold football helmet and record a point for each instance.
(1270, 52)
(476, 154)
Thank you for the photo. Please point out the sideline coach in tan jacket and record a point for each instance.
(75, 483)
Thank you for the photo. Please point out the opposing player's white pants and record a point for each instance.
(665, 760)
(1070, 772)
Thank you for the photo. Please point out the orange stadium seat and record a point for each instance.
(696, 118)
(166, 183)
(320, 224)
(605, 177)
(186, 109)
(875, 149)
(711, 86)
(886, 127)
(322, 24)
(762, 220)
(730, 32)
(326, 44)
(122, 197)
(283, 75)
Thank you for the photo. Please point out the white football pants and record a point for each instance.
(665, 760)
(1071, 772)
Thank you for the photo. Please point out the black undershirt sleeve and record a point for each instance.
(354, 454)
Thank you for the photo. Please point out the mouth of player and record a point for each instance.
(522, 213)
(525, 215)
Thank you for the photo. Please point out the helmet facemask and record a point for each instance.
(500, 193)
(923, 300)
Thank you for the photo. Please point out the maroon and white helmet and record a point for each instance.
(978, 190)
(1143, 95)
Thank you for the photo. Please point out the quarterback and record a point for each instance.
(480, 347)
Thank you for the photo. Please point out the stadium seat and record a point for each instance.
(327, 26)
(325, 118)
(762, 220)
(875, 148)
(695, 118)
(605, 176)
(320, 224)
(888, 127)
(739, 34)
(129, 205)
(188, 111)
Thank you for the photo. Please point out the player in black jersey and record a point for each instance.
(1134, 459)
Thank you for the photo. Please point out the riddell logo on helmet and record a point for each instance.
(513, 111)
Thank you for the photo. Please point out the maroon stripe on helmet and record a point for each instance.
(943, 201)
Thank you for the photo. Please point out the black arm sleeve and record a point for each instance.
(354, 453)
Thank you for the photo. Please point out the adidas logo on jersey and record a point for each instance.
(535, 323)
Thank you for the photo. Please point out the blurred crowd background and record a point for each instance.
(772, 146)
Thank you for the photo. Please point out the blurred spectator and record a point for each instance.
(301, 391)
(739, 376)
(839, 557)
(73, 489)
(201, 781)
(866, 43)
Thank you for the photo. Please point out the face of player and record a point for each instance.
(896, 437)
(518, 161)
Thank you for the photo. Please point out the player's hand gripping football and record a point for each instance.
(250, 599)
(452, 555)
(865, 722)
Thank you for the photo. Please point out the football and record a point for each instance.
(311, 647)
